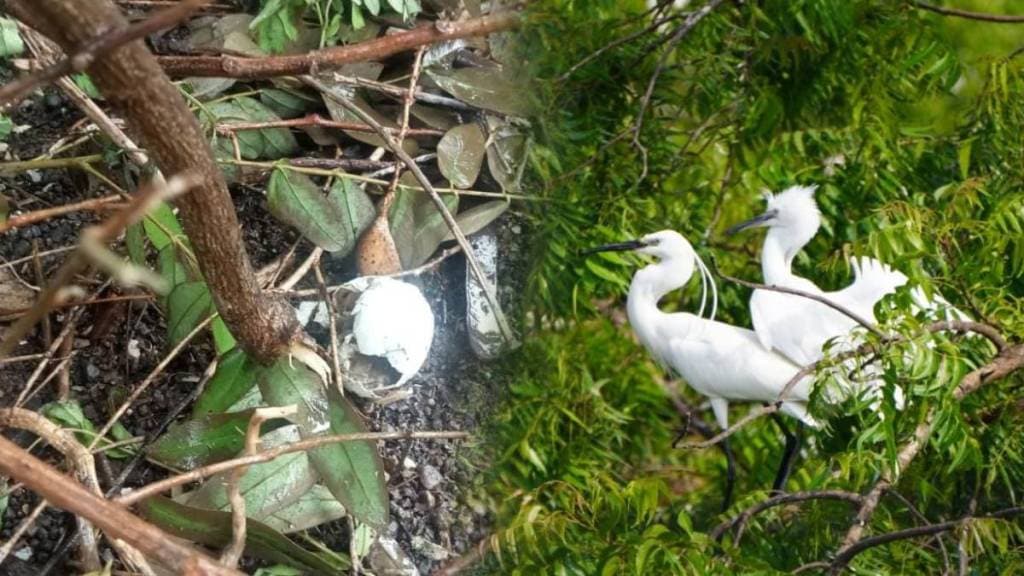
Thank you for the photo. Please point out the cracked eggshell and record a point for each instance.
(392, 319)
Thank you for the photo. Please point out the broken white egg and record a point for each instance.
(392, 319)
(389, 327)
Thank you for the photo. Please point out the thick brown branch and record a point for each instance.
(114, 520)
(133, 82)
(982, 16)
(226, 66)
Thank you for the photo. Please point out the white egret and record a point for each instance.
(799, 327)
(721, 361)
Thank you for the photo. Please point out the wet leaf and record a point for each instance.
(213, 529)
(206, 439)
(316, 506)
(488, 88)
(478, 217)
(265, 143)
(333, 222)
(460, 154)
(10, 39)
(286, 103)
(235, 376)
(68, 414)
(188, 304)
(357, 210)
(416, 224)
(267, 487)
(352, 471)
(506, 153)
(342, 114)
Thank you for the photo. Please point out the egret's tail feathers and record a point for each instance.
(798, 410)
(875, 278)
(936, 306)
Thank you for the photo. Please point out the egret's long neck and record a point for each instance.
(777, 257)
(648, 287)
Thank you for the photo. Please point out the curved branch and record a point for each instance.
(968, 15)
(739, 521)
(846, 556)
(114, 520)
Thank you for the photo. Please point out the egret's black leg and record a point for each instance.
(684, 431)
(788, 454)
(730, 474)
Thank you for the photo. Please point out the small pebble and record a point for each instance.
(430, 477)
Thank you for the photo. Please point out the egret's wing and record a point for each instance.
(788, 324)
(873, 280)
(761, 318)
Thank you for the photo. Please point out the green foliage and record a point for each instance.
(911, 126)
(278, 21)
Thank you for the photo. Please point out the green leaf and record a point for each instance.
(265, 143)
(171, 268)
(223, 341)
(352, 471)
(162, 227)
(267, 487)
(10, 39)
(417, 226)
(84, 82)
(460, 154)
(286, 103)
(212, 528)
(188, 305)
(315, 507)
(135, 240)
(68, 414)
(204, 440)
(478, 217)
(234, 377)
(4, 499)
(6, 126)
(332, 222)
(489, 88)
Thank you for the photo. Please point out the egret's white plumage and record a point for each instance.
(721, 361)
(799, 327)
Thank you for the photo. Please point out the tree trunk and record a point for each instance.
(132, 80)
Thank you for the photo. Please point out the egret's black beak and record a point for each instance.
(760, 220)
(617, 247)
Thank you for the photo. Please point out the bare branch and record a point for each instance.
(957, 13)
(272, 453)
(739, 521)
(226, 66)
(114, 520)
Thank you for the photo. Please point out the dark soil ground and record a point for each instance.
(433, 513)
